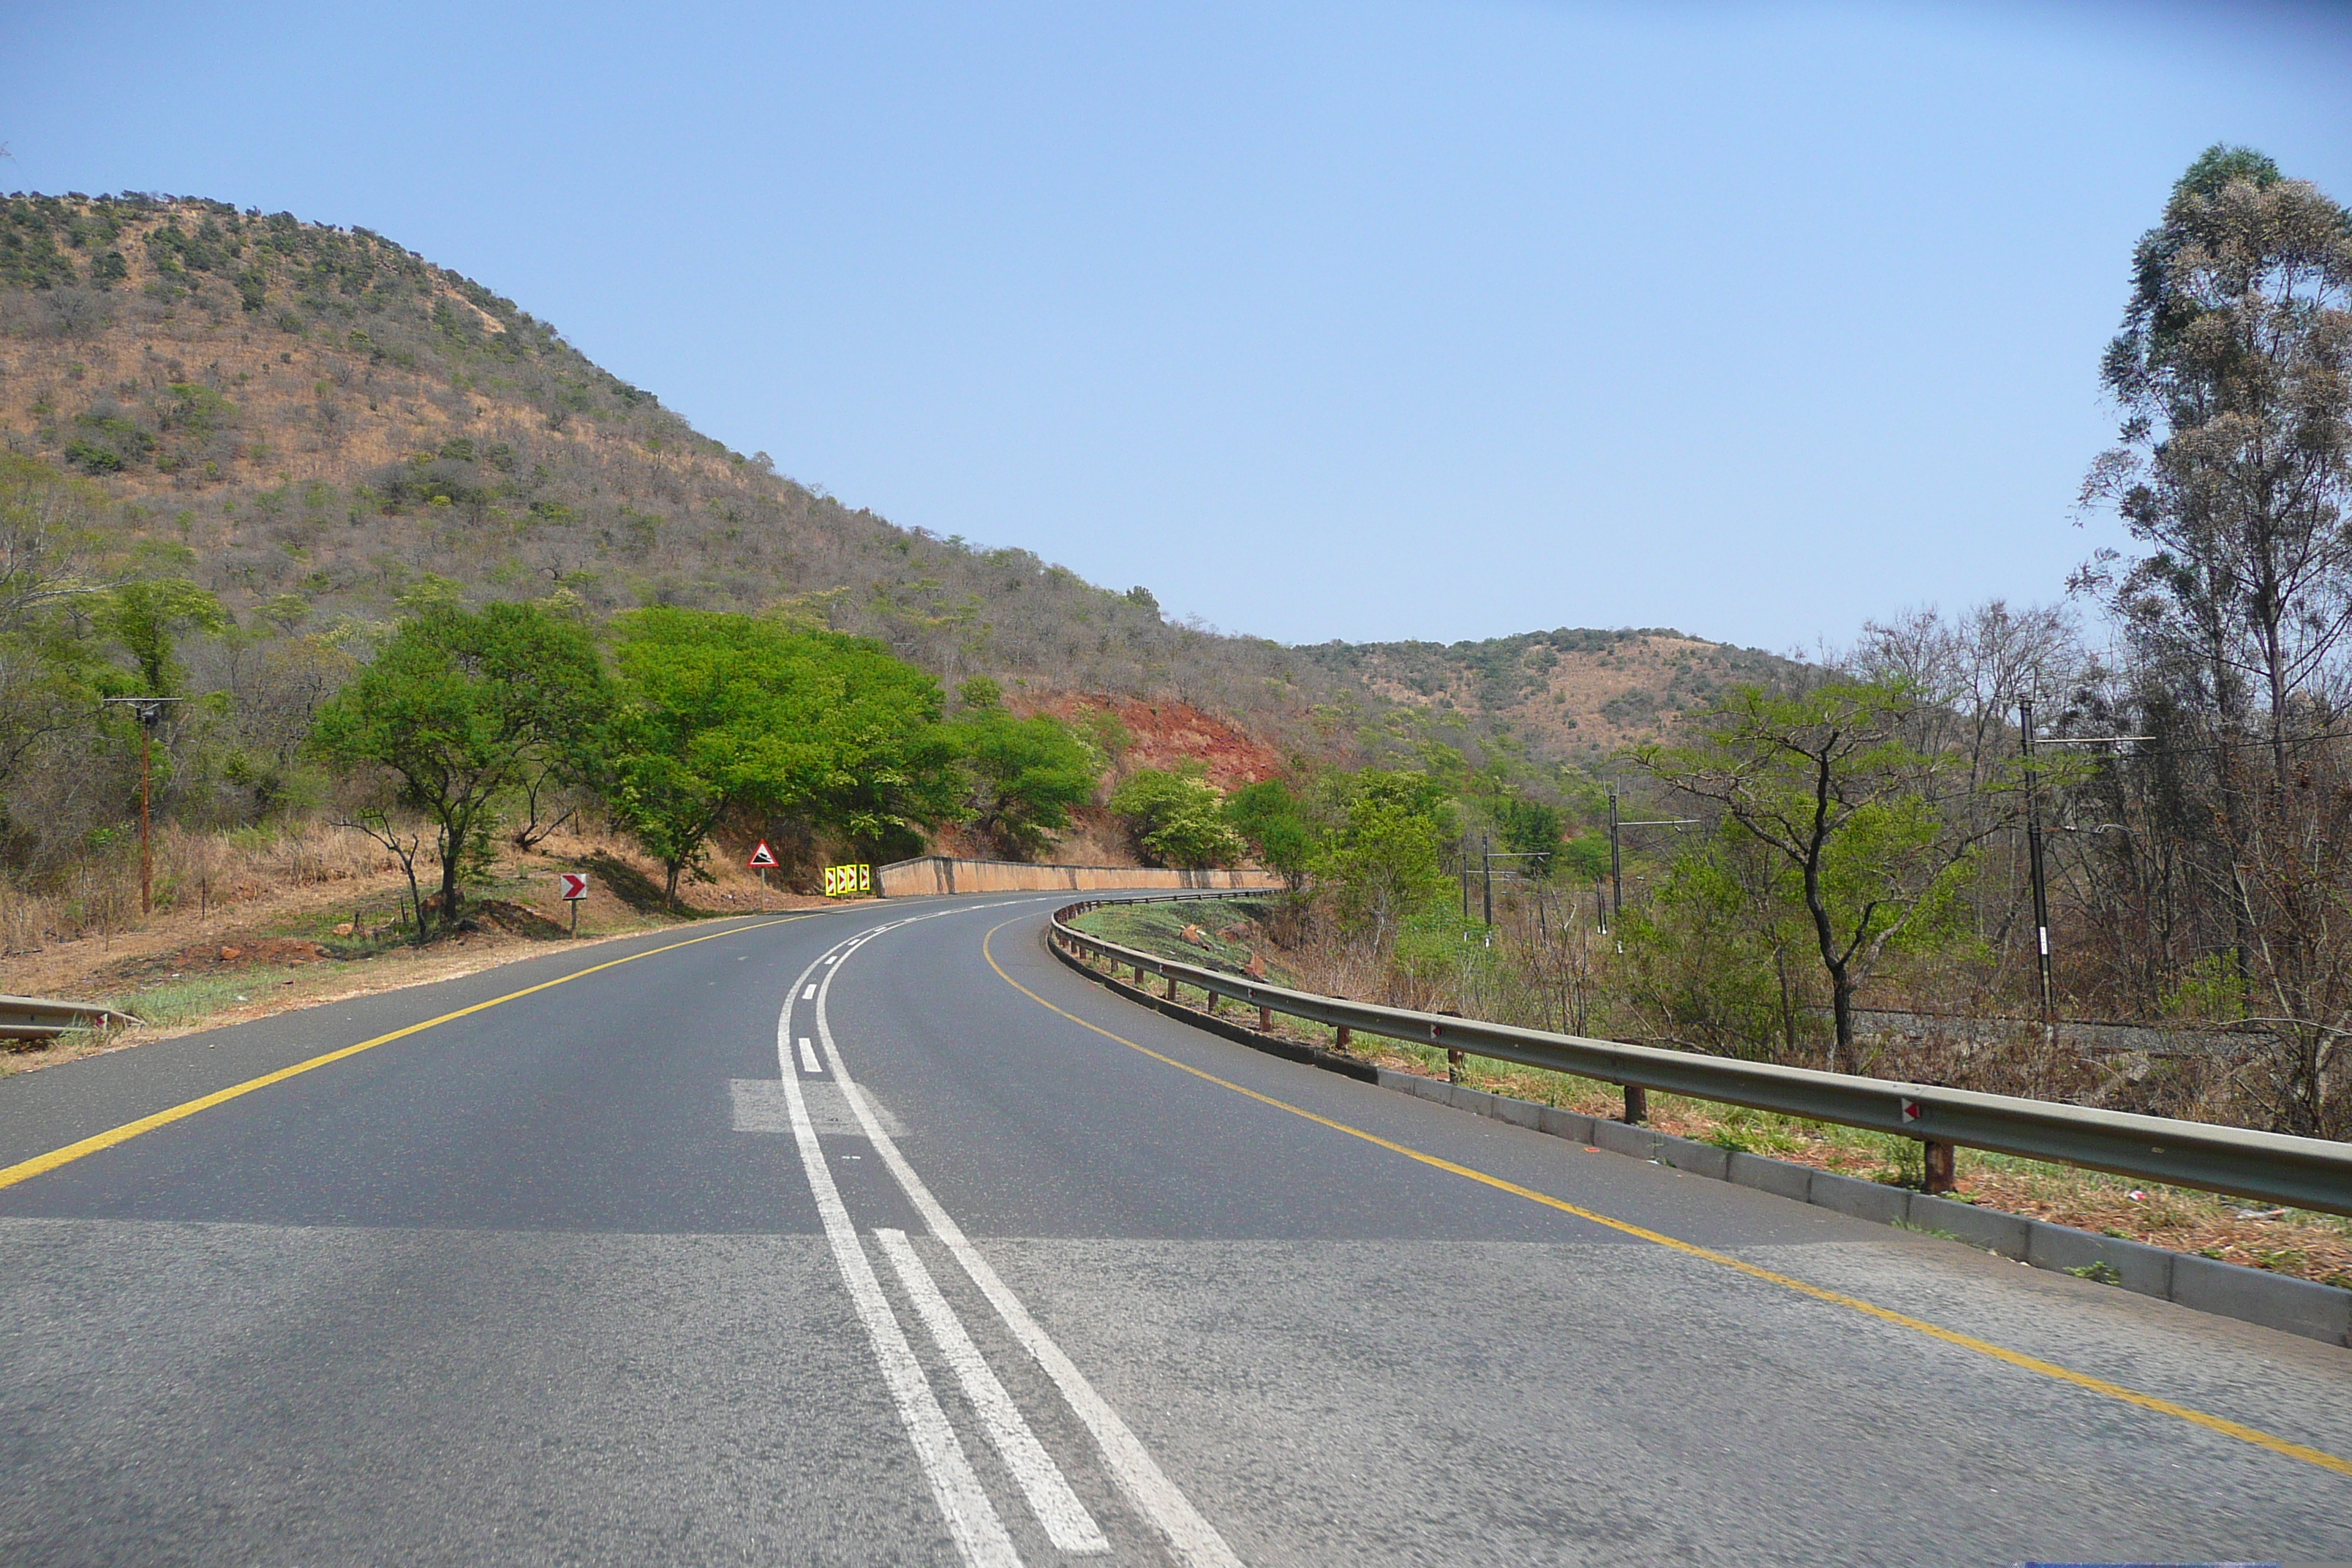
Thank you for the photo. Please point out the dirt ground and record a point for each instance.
(304, 946)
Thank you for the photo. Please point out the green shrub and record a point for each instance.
(1176, 817)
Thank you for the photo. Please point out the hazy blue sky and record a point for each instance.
(1368, 320)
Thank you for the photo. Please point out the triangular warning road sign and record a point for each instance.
(762, 855)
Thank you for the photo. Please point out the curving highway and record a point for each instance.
(875, 1234)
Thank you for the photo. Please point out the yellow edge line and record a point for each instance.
(39, 1164)
(2099, 1385)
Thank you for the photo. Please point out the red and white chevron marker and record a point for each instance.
(575, 887)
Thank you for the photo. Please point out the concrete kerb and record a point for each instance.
(1709, 1160)
(2277, 1302)
(1623, 1138)
(2297, 1306)
(1873, 1201)
(2006, 1234)
(1781, 1178)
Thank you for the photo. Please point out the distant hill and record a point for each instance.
(1573, 694)
(330, 427)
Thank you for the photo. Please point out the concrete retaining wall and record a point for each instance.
(941, 874)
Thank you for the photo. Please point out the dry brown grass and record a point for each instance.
(237, 888)
(98, 894)
(258, 952)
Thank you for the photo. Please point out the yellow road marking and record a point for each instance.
(39, 1164)
(2003, 1353)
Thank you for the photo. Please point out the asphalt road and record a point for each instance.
(622, 1271)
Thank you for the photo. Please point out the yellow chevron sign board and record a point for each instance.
(847, 881)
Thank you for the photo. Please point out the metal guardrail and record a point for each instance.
(45, 1018)
(2307, 1173)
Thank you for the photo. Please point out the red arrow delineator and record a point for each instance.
(1911, 1111)
(762, 857)
(575, 886)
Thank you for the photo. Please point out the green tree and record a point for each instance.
(457, 706)
(1585, 856)
(2234, 471)
(1271, 819)
(1717, 955)
(2234, 372)
(1177, 817)
(1027, 774)
(722, 711)
(146, 619)
(1381, 862)
(1529, 828)
(1825, 781)
(50, 675)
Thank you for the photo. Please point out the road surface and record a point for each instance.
(877, 1235)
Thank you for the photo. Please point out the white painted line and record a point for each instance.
(1192, 1538)
(978, 1532)
(808, 1058)
(1067, 1523)
(807, 992)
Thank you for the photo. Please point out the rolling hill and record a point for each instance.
(325, 429)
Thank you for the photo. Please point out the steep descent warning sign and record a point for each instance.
(761, 857)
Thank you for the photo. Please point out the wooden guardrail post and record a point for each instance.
(1637, 1105)
(1265, 1019)
(1942, 1159)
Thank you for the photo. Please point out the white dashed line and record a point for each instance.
(808, 1058)
(808, 992)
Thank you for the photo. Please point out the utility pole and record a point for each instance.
(1616, 860)
(2034, 869)
(1487, 857)
(148, 710)
(1616, 853)
(2027, 742)
(1487, 868)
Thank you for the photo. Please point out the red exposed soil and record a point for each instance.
(1168, 733)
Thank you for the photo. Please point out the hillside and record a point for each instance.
(1575, 695)
(327, 420)
(326, 428)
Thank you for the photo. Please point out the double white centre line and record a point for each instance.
(1067, 1523)
(972, 1521)
(979, 1534)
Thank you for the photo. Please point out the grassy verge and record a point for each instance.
(1218, 934)
(2287, 1241)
